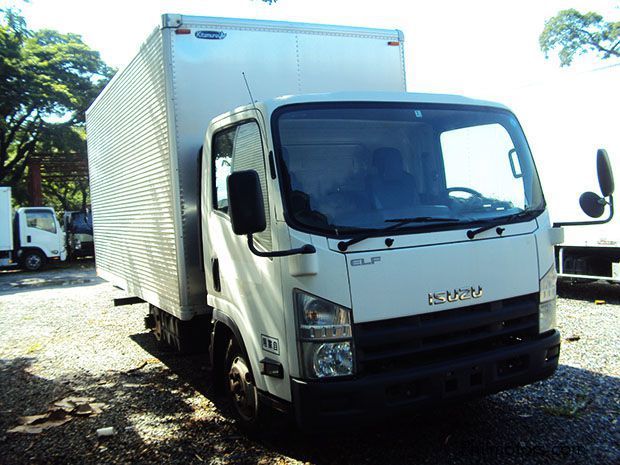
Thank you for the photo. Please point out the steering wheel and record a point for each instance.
(467, 190)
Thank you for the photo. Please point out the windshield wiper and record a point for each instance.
(398, 222)
(503, 220)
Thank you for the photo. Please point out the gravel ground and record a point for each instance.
(61, 336)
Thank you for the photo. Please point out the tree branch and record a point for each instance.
(23, 150)
(596, 44)
(19, 171)
(6, 142)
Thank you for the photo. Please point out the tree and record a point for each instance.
(576, 34)
(62, 187)
(47, 80)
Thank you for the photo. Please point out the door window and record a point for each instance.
(237, 149)
(41, 219)
(222, 165)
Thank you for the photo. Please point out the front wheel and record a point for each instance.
(241, 391)
(33, 260)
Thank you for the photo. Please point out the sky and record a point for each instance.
(475, 47)
(478, 48)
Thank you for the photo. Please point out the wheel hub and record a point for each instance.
(242, 389)
(33, 261)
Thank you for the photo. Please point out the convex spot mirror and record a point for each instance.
(245, 203)
(592, 204)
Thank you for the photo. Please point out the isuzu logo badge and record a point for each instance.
(464, 293)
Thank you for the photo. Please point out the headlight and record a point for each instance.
(546, 309)
(325, 336)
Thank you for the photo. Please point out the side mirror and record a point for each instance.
(247, 212)
(245, 203)
(592, 204)
(605, 174)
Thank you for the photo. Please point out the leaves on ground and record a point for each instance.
(61, 411)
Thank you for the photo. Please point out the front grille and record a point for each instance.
(413, 341)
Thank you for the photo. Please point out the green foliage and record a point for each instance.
(575, 34)
(47, 81)
(69, 195)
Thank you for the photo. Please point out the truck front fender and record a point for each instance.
(223, 329)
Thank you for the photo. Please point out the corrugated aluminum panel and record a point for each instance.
(248, 155)
(133, 194)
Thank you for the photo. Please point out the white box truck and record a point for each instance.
(29, 237)
(567, 130)
(345, 253)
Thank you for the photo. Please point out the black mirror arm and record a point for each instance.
(305, 249)
(610, 202)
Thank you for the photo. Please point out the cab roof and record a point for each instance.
(268, 106)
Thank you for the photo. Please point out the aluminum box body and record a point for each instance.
(145, 131)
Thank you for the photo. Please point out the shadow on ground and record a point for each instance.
(542, 423)
(160, 418)
(78, 273)
(148, 408)
(589, 292)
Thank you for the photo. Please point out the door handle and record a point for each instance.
(215, 268)
(28, 239)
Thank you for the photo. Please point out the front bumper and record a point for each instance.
(339, 403)
(87, 249)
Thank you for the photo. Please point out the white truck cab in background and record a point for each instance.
(30, 237)
(344, 255)
(568, 143)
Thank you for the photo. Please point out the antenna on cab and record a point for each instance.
(245, 79)
(262, 131)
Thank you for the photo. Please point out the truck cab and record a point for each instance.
(369, 253)
(78, 226)
(41, 238)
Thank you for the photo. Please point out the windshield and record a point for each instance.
(349, 167)
(81, 223)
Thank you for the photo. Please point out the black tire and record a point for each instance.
(32, 260)
(240, 390)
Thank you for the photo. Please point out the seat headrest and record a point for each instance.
(389, 162)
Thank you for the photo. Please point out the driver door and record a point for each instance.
(240, 284)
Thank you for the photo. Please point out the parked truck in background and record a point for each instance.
(78, 226)
(29, 237)
(344, 253)
(565, 129)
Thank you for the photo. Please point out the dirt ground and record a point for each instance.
(61, 336)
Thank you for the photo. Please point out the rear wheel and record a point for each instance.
(186, 337)
(32, 260)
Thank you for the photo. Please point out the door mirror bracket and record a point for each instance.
(304, 249)
(247, 212)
